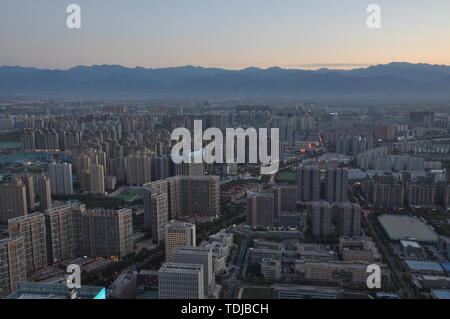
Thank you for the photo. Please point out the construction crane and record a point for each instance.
(319, 133)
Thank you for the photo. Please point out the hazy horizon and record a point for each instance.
(307, 67)
(230, 35)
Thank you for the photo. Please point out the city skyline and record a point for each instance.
(238, 153)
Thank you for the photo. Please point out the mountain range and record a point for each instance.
(393, 79)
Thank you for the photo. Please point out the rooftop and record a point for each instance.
(441, 294)
(180, 268)
(423, 265)
(54, 291)
(446, 266)
(405, 227)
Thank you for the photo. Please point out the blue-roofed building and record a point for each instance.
(56, 291)
(424, 267)
(440, 294)
(446, 267)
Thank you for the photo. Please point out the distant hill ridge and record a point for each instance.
(397, 78)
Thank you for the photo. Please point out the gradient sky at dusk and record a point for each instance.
(230, 34)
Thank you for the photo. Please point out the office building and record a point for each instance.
(199, 256)
(181, 281)
(178, 233)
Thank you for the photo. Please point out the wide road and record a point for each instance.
(233, 280)
(405, 290)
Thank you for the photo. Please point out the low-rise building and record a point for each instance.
(270, 268)
(315, 252)
(338, 272)
(124, 287)
(424, 267)
(358, 250)
(258, 254)
(435, 282)
(56, 291)
(282, 291)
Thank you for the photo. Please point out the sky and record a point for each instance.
(231, 34)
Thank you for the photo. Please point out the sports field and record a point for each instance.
(286, 177)
(129, 195)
